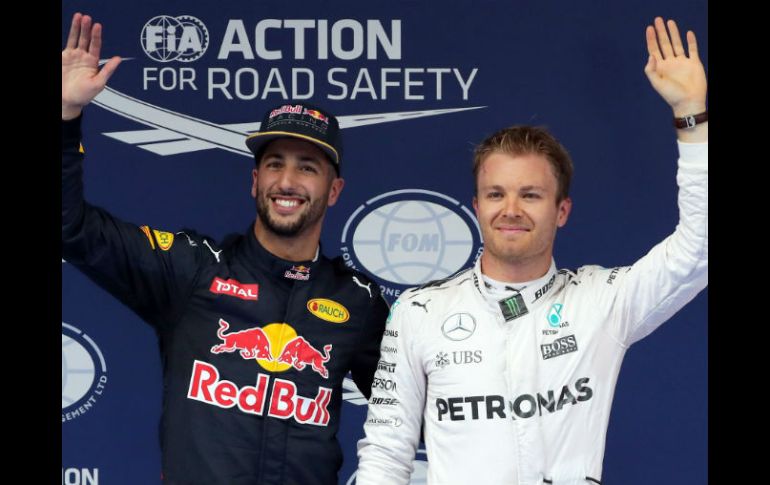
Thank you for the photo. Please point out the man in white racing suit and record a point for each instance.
(511, 365)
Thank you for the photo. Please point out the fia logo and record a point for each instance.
(184, 38)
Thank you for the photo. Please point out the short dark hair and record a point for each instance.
(523, 140)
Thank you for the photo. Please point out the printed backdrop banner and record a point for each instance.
(415, 84)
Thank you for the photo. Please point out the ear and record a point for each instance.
(565, 207)
(335, 190)
(476, 205)
(254, 179)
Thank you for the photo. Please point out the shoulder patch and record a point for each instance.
(146, 231)
(165, 239)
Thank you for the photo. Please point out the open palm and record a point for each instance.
(678, 77)
(81, 78)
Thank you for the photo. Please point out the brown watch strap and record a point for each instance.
(691, 120)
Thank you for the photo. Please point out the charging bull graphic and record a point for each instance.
(252, 342)
(275, 347)
(298, 353)
(266, 344)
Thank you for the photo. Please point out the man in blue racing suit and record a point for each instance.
(256, 333)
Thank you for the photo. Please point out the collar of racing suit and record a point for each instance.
(532, 292)
(255, 253)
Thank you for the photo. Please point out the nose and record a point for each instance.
(512, 207)
(287, 180)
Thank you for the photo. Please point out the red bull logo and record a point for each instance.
(298, 273)
(299, 353)
(206, 386)
(287, 108)
(252, 342)
(316, 114)
(235, 288)
(276, 348)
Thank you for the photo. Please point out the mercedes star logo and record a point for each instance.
(459, 326)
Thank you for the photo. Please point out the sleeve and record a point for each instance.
(365, 362)
(142, 267)
(639, 298)
(396, 407)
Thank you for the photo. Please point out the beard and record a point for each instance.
(312, 212)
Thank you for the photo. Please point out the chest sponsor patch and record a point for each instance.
(458, 326)
(328, 310)
(235, 288)
(558, 347)
(513, 307)
(280, 397)
(301, 273)
(386, 366)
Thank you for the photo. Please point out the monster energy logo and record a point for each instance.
(513, 307)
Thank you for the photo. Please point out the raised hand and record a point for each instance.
(81, 79)
(677, 76)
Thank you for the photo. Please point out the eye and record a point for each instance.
(532, 195)
(273, 163)
(494, 195)
(309, 168)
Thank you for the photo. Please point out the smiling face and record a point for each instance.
(517, 209)
(293, 185)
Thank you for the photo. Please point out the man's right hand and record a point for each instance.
(81, 79)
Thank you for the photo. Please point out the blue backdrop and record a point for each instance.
(416, 84)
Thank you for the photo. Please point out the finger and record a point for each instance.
(663, 42)
(692, 45)
(652, 43)
(676, 39)
(109, 69)
(96, 40)
(72, 39)
(85, 33)
(649, 69)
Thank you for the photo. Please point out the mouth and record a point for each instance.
(286, 205)
(512, 229)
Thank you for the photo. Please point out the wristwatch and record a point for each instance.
(691, 120)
